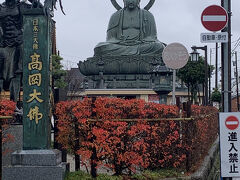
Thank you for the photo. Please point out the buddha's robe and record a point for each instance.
(126, 37)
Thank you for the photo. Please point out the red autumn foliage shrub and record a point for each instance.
(121, 136)
(167, 148)
(6, 109)
(202, 131)
(118, 145)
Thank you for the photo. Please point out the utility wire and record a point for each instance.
(71, 56)
(236, 45)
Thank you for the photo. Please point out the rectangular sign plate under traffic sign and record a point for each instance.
(221, 37)
(230, 144)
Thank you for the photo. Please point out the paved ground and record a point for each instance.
(215, 172)
(71, 160)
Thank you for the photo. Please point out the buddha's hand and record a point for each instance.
(123, 38)
(131, 42)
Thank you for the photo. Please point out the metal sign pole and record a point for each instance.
(175, 56)
(216, 70)
(174, 88)
(206, 76)
(229, 56)
(226, 64)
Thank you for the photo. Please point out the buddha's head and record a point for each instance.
(10, 2)
(131, 4)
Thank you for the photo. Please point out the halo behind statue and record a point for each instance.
(147, 7)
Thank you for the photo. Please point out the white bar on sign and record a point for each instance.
(231, 122)
(214, 18)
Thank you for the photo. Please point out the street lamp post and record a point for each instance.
(209, 76)
(195, 57)
(216, 70)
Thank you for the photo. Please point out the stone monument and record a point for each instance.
(37, 160)
(131, 57)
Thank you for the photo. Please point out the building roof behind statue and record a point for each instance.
(159, 69)
(75, 73)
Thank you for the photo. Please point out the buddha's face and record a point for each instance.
(131, 4)
(10, 2)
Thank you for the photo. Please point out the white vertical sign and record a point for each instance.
(230, 144)
(221, 37)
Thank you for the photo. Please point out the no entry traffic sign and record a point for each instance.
(214, 18)
(229, 143)
(232, 122)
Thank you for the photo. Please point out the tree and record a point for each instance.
(75, 81)
(216, 96)
(193, 74)
(58, 76)
(58, 72)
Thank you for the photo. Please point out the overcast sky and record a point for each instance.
(86, 22)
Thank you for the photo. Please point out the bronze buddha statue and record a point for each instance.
(131, 31)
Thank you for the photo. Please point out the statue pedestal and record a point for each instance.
(127, 72)
(35, 164)
(16, 130)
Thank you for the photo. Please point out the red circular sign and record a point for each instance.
(232, 122)
(214, 18)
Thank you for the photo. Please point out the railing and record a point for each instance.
(6, 117)
(147, 120)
